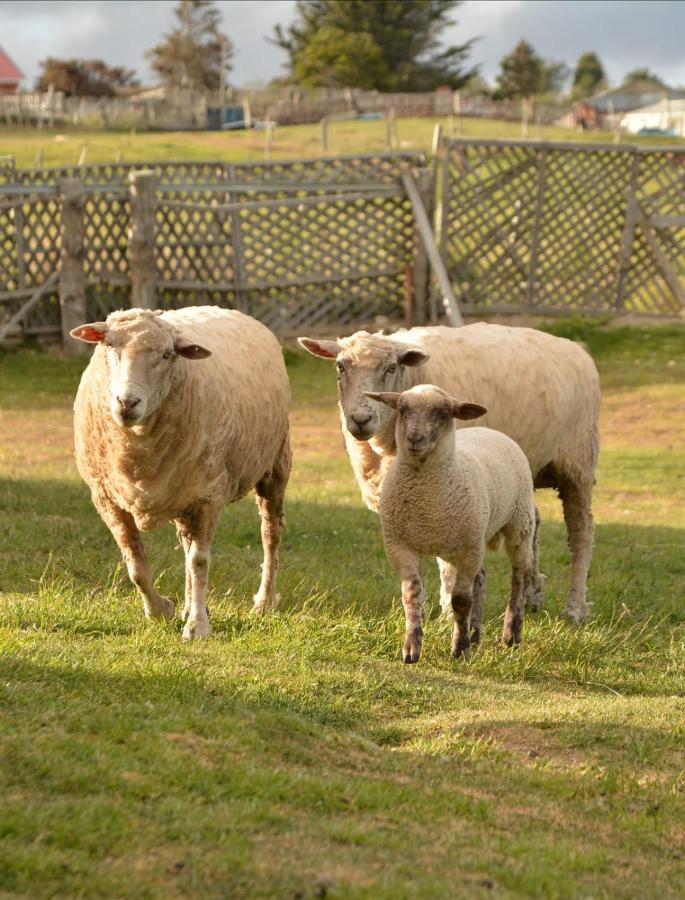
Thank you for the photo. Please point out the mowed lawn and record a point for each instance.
(295, 755)
(64, 146)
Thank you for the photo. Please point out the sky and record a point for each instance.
(625, 33)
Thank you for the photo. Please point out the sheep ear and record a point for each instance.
(412, 356)
(189, 350)
(390, 398)
(467, 410)
(324, 349)
(93, 333)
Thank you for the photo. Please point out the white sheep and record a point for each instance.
(541, 390)
(177, 414)
(449, 493)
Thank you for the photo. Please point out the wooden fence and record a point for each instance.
(556, 227)
(293, 243)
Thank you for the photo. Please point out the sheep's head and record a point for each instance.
(141, 353)
(425, 415)
(366, 362)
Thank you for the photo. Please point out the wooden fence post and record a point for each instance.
(72, 279)
(324, 134)
(425, 183)
(141, 238)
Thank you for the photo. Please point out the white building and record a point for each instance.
(666, 116)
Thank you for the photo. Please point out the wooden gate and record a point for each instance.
(551, 227)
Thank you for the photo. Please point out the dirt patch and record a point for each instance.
(650, 416)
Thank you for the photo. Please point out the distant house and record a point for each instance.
(603, 110)
(665, 117)
(10, 75)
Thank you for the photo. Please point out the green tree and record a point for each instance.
(641, 75)
(589, 76)
(335, 58)
(521, 73)
(553, 77)
(191, 55)
(84, 77)
(401, 50)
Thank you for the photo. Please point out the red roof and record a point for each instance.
(8, 71)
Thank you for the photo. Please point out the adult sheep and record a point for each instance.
(540, 390)
(177, 414)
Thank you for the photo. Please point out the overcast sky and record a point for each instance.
(625, 33)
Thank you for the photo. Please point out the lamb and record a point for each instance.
(178, 414)
(449, 493)
(540, 390)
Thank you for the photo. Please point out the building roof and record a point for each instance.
(643, 92)
(663, 106)
(9, 73)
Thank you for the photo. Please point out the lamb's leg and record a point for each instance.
(577, 502)
(270, 495)
(534, 591)
(477, 606)
(462, 603)
(127, 536)
(185, 544)
(408, 565)
(447, 575)
(521, 552)
(198, 529)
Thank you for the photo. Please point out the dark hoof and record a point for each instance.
(510, 639)
(412, 646)
(461, 649)
(412, 657)
(475, 635)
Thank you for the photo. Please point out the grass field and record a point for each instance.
(64, 147)
(295, 756)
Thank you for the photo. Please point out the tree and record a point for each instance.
(553, 77)
(191, 55)
(84, 77)
(641, 75)
(400, 51)
(336, 58)
(521, 73)
(589, 76)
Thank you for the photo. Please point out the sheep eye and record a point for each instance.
(166, 355)
(340, 367)
(391, 369)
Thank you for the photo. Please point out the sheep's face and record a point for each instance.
(425, 416)
(366, 363)
(141, 361)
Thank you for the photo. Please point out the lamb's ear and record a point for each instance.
(412, 356)
(324, 349)
(93, 333)
(189, 350)
(390, 398)
(467, 410)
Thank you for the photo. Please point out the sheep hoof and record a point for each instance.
(475, 635)
(576, 614)
(196, 629)
(510, 639)
(535, 599)
(262, 604)
(411, 652)
(164, 608)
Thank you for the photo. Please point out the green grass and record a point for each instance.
(296, 755)
(63, 147)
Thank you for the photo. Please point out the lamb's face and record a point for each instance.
(366, 363)
(141, 354)
(424, 418)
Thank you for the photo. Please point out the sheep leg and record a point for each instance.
(198, 530)
(185, 543)
(577, 502)
(408, 566)
(477, 606)
(126, 534)
(270, 495)
(534, 592)
(462, 603)
(521, 556)
(447, 576)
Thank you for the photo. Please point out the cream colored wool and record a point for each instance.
(215, 428)
(466, 489)
(540, 390)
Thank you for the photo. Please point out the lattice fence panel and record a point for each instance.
(535, 226)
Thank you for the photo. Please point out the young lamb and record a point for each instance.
(541, 390)
(179, 413)
(448, 493)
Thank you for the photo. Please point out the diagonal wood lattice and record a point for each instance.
(533, 226)
(292, 242)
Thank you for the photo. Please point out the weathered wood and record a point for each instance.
(628, 234)
(437, 139)
(426, 232)
(535, 239)
(72, 281)
(669, 274)
(141, 239)
(420, 267)
(26, 308)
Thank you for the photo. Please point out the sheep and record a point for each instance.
(178, 414)
(449, 493)
(540, 390)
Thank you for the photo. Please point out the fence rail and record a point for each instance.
(562, 227)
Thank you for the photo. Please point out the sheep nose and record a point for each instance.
(361, 420)
(127, 403)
